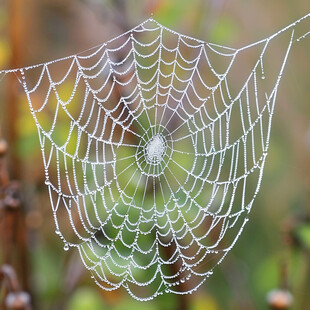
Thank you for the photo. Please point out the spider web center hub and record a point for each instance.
(155, 149)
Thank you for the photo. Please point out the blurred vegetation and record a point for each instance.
(274, 250)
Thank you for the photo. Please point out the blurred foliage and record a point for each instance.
(225, 31)
(303, 233)
(4, 53)
(86, 298)
(254, 266)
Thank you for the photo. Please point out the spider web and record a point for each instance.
(155, 157)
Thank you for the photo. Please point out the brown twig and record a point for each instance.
(15, 299)
(12, 234)
(15, 37)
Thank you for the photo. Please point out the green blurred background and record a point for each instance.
(273, 251)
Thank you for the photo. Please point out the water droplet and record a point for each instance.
(263, 77)
(66, 247)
